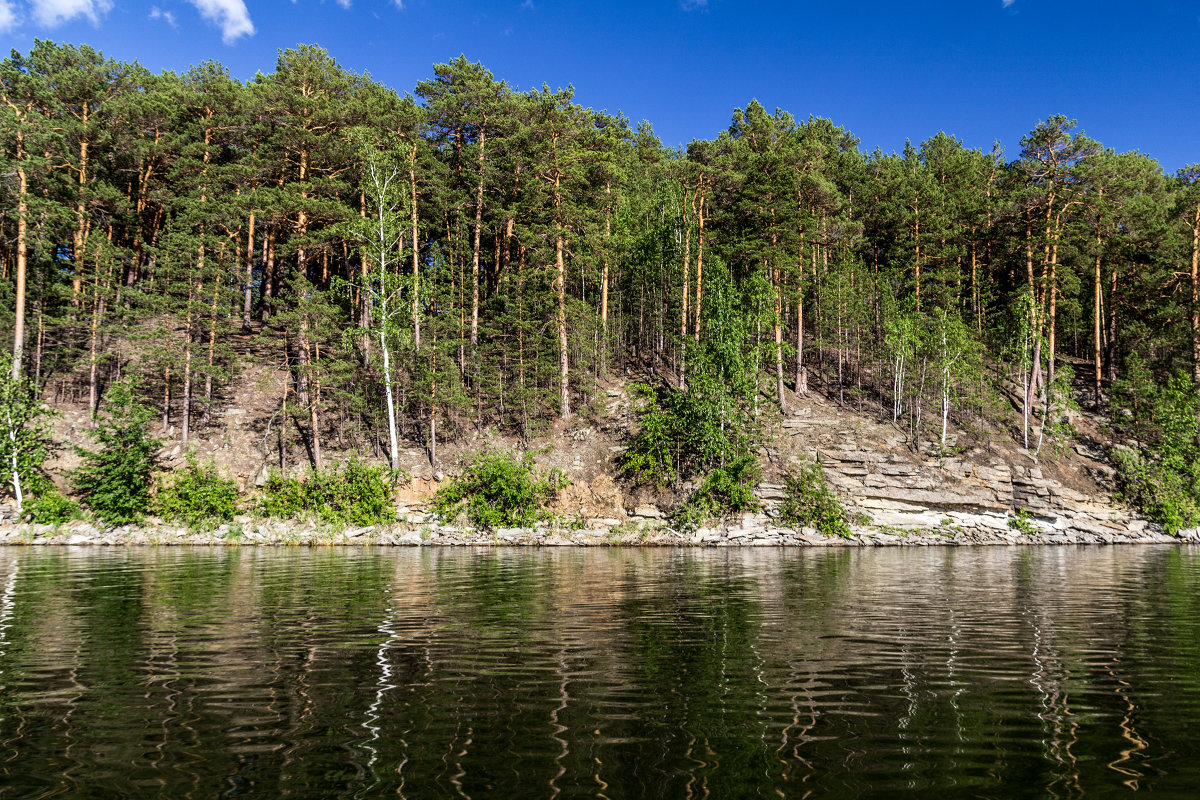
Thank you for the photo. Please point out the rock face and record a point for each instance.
(897, 499)
(599, 499)
(893, 492)
(1001, 496)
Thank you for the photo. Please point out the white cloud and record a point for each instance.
(344, 3)
(166, 16)
(230, 16)
(1007, 3)
(8, 17)
(52, 13)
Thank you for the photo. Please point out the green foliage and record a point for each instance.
(863, 276)
(114, 481)
(682, 433)
(808, 501)
(49, 507)
(1163, 482)
(197, 496)
(499, 490)
(282, 497)
(723, 491)
(1165, 490)
(1022, 522)
(1059, 429)
(650, 458)
(25, 440)
(357, 494)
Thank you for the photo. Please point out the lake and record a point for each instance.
(606, 673)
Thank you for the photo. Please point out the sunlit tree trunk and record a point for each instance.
(475, 251)
(22, 225)
(186, 422)
(1098, 312)
(1196, 297)
(683, 308)
(249, 274)
(604, 275)
(80, 234)
(416, 312)
(699, 259)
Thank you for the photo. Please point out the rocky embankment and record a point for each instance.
(898, 499)
(990, 501)
(916, 517)
(989, 493)
(752, 530)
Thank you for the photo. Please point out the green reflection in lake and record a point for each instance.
(1059, 672)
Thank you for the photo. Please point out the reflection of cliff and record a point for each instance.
(614, 673)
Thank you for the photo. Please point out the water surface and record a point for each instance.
(257, 672)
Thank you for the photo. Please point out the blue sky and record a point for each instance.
(978, 69)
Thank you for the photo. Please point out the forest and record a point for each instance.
(474, 255)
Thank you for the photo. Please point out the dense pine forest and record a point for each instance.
(475, 255)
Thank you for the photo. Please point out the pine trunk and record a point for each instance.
(683, 313)
(475, 253)
(800, 382)
(186, 422)
(80, 234)
(249, 287)
(1196, 301)
(1097, 332)
(560, 285)
(699, 261)
(412, 185)
(22, 223)
(212, 351)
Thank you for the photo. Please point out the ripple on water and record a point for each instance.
(560, 672)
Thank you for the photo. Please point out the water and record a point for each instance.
(987, 672)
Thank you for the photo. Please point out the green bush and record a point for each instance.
(808, 501)
(499, 490)
(650, 458)
(48, 506)
(282, 497)
(724, 490)
(114, 481)
(1023, 523)
(1165, 490)
(197, 496)
(685, 433)
(357, 494)
(25, 439)
(1163, 481)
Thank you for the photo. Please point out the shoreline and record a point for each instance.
(737, 533)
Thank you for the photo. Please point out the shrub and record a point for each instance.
(499, 490)
(808, 501)
(650, 460)
(197, 496)
(357, 494)
(1165, 490)
(1163, 481)
(282, 497)
(724, 490)
(48, 506)
(114, 481)
(1023, 523)
(684, 433)
(25, 438)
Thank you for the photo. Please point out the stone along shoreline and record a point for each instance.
(750, 530)
(901, 501)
